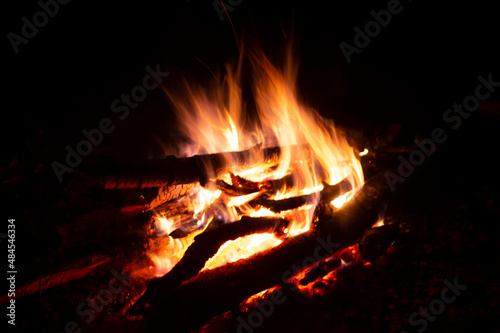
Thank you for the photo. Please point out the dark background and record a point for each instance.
(65, 78)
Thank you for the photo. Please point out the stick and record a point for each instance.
(203, 248)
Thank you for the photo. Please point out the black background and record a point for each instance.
(66, 77)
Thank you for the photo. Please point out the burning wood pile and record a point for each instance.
(247, 206)
(245, 201)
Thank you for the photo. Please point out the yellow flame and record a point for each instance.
(165, 226)
(341, 200)
(241, 248)
(203, 199)
(169, 252)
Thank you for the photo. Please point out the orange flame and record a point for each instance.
(312, 150)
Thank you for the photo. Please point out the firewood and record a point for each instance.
(215, 291)
(245, 186)
(175, 170)
(320, 271)
(171, 170)
(328, 193)
(204, 247)
(233, 190)
(169, 193)
(188, 224)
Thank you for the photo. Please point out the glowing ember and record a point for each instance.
(312, 152)
(364, 152)
(379, 223)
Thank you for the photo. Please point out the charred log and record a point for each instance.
(243, 186)
(320, 271)
(376, 241)
(203, 248)
(233, 190)
(328, 193)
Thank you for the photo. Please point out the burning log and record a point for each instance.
(172, 170)
(169, 193)
(188, 223)
(328, 193)
(204, 247)
(232, 190)
(240, 185)
(215, 291)
(207, 244)
(320, 271)
(243, 186)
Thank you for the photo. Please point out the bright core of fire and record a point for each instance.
(241, 248)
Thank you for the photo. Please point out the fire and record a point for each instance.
(169, 251)
(241, 248)
(312, 152)
(364, 152)
(341, 200)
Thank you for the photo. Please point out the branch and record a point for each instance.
(203, 248)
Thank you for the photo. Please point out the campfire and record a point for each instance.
(292, 159)
(149, 187)
(247, 195)
(256, 202)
